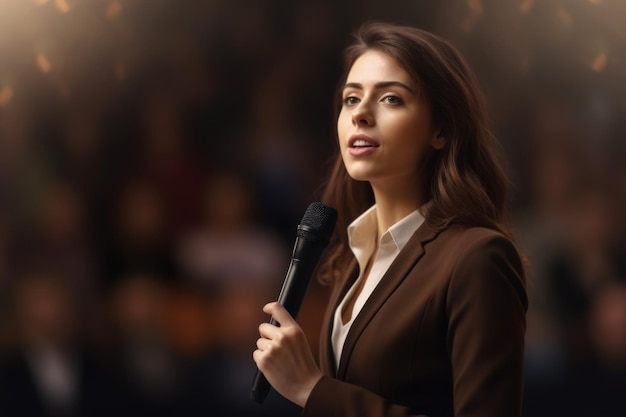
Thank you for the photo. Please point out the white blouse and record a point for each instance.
(360, 233)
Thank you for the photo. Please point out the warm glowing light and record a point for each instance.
(43, 64)
(476, 9)
(599, 64)
(120, 71)
(40, 2)
(564, 16)
(114, 9)
(527, 6)
(62, 6)
(6, 94)
(476, 5)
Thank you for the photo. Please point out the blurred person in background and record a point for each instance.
(167, 158)
(138, 238)
(60, 239)
(591, 384)
(49, 372)
(229, 243)
(235, 261)
(57, 241)
(153, 195)
(4, 268)
(148, 371)
(219, 381)
(606, 381)
(281, 153)
(431, 321)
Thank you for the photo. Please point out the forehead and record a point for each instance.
(374, 66)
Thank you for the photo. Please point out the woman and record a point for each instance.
(427, 312)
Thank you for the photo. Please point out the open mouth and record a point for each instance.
(362, 143)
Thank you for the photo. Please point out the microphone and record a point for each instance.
(312, 237)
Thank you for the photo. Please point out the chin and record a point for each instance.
(359, 176)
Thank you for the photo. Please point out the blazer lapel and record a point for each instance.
(397, 272)
(336, 296)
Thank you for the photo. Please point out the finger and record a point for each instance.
(268, 331)
(280, 314)
(262, 344)
(257, 357)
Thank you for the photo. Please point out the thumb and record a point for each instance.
(280, 314)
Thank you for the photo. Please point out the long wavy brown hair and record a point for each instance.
(466, 182)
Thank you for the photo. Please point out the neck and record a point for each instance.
(393, 203)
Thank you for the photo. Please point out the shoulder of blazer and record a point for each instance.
(467, 246)
(459, 239)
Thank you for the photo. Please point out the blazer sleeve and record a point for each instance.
(486, 307)
(486, 317)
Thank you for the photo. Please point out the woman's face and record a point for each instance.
(385, 129)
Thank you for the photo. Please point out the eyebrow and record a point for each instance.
(381, 84)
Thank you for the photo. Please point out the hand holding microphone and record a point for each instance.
(285, 356)
(283, 350)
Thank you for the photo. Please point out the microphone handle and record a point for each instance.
(260, 387)
(291, 297)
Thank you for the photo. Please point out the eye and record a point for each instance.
(393, 100)
(350, 101)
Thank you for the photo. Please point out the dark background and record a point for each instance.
(156, 156)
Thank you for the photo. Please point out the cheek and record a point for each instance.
(413, 146)
(342, 125)
(343, 132)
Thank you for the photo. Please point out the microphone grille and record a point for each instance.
(319, 220)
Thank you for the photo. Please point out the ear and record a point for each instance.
(439, 141)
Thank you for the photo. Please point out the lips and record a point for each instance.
(360, 145)
(362, 141)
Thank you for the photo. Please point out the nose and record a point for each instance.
(362, 115)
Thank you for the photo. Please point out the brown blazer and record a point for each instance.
(441, 335)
